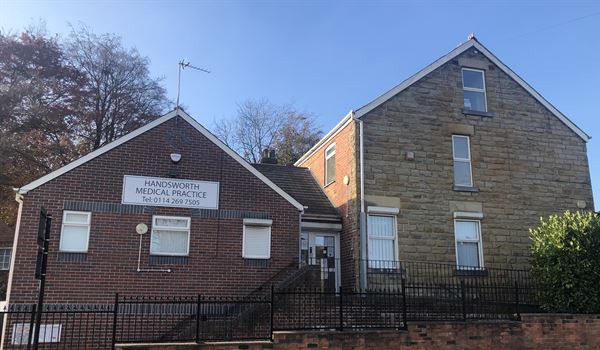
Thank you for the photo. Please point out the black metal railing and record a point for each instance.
(398, 293)
(74, 326)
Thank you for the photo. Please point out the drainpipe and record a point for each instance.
(363, 217)
(18, 199)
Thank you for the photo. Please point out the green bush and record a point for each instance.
(566, 262)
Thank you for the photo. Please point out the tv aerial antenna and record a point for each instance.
(183, 64)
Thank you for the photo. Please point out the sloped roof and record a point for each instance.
(300, 184)
(451, 55)
(176, 112)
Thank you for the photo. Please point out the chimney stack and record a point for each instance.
(268, 156)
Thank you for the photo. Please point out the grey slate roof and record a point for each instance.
(299, 183)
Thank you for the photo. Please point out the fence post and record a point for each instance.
(115, 318)
(464, 299)
(341, 309)
(272, 308)
(31, 325)
(517, 301)
(198, 319)
(404, 317)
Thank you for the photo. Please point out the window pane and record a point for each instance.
(169, 242)
(171, 222)
(381, 249)
(5, 259)
(330, 169)
(74, 238)
(468, 254)
(382, 226)
(475, 101)
(79, 218)
(462, 173)
(330, 151)
(473, 79)
(460, 147)
(256, 242)
(466, 230)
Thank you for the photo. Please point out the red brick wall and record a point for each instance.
(343, 197)
(215, 264)
(543, 332)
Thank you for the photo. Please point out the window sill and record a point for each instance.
(478, 113)
(72, 256)
(168, 260)
(475, 272)
(327, 185)
(465, 189)
(253, 262)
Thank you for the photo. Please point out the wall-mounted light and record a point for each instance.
(175, 157)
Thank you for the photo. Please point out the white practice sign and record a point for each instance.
(163, 192)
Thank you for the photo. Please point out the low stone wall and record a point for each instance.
(535, 331)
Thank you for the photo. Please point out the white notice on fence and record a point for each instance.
(163, 192)
(49, 333)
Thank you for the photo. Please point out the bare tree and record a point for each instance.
(260, 124)
(120, 95)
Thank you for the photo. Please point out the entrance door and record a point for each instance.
(323, 252)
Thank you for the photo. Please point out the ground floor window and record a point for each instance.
(75, 231)
(5, 258)
(170, 235)
(382, 243)
(468, 243)
(256, 239)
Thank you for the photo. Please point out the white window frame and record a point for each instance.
(261, 223)
(65, 222)
(478, 241)
(464, 160)
(170, 228)
(390, 214)
(465, 88)
(9, 258)
(327, 156)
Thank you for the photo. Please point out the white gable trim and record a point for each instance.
(177, 112)
(452, 54)
(336, 129)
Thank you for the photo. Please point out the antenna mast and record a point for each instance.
(183, 65)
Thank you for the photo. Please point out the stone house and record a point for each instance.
(453, 165)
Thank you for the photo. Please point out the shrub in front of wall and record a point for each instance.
(566, 262)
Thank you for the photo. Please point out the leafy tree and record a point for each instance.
(60, 99)
(566, 261)
(36, 111)
(260, 125)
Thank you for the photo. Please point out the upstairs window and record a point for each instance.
(170, 235)
(5, 258)
(256, 243)
(474, 90)
(330, 164)
(461, 154)
(468, 244)
(75, 232)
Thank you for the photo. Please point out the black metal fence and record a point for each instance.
(399, 294)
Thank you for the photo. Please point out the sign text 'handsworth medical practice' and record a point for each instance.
(156, 191)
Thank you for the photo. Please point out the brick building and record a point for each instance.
(215, 224)
(453, 165)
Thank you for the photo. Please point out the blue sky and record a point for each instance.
(328, 57)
